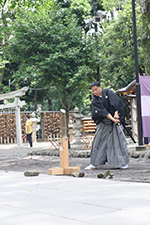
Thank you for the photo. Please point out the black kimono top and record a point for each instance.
(102, 106)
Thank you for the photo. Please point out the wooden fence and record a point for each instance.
(49, 126)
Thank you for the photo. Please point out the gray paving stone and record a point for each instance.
(66, 200)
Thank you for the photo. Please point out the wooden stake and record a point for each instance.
(64, 156)
(64, 159)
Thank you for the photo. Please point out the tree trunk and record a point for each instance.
(145, 9)
(67, 122)
(66, 107)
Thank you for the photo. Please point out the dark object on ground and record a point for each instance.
(81, 174)
(31, 173)
(100, 175)
(108, 173)
(77, 174)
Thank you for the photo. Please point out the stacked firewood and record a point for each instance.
(52, 125)
(7, 128)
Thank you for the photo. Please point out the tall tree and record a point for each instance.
(52, 49)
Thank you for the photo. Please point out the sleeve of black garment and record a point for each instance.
(115, 102)
(98, 110)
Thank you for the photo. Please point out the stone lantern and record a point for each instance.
(71, 131)
(77, 125)
(34, 126)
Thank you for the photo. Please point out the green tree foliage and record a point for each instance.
(81, 9)
(52, 50)
(21, 73)
(49, 48)
(8, 10)
(118, 67)
(113, 4)
(3, 39)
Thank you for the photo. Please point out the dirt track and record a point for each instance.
(19, 160)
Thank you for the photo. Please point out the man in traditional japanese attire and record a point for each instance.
(109, 144)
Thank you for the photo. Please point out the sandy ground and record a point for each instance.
(13, 158)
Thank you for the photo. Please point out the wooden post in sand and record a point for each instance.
(64, 156)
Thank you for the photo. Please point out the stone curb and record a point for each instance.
(72, 153)
(86, 153)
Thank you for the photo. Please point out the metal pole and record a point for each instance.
(95, 26)
(138, 94)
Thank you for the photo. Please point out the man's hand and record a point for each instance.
(109, 116)
(116, 116)
(116, 121)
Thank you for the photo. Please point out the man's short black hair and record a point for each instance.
(95, 83)
(28, 116)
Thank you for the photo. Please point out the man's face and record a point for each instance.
(97, 90)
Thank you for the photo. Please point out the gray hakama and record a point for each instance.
(109, 145)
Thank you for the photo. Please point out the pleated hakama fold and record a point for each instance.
(109, 145)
